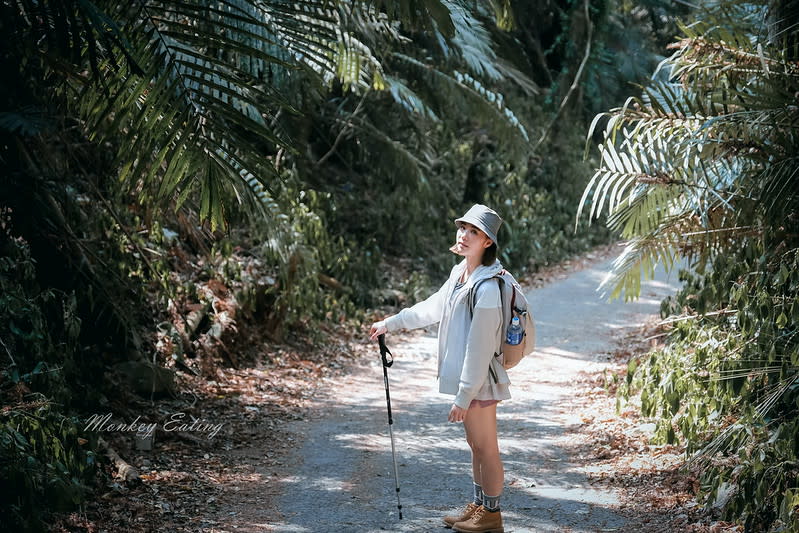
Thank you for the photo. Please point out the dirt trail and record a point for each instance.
(341, 476)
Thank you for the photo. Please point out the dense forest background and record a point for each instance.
(177, 175)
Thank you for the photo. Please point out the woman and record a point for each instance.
(469, 334)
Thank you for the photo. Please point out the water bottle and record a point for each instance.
(515, 332)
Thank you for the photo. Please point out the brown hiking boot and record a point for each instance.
(467, 513)
(482, 521)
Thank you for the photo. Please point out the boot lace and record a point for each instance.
(478, 514)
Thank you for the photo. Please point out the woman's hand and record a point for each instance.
(457, 414)
(378, 328)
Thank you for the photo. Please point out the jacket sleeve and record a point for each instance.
(482, 343)
(420, 315)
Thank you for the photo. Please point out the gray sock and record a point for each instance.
(491, 503)
(478, 494)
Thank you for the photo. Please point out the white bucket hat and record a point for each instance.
(483, 218)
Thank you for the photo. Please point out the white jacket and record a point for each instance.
(466, 345)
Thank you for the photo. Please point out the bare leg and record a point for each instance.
(478, 478)
(481, 434)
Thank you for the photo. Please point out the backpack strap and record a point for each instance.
(473, 296)
(473, 301)
(512, 300)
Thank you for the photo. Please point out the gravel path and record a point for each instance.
(343, 479)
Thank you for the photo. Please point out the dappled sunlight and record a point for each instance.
(319, 483)
(575, 494)
(346, 463)
(554, 351)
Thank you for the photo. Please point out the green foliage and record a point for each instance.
(314, 255)
(539, 230)
(703, 167)
(632, 37)
(683, 166)
(41, 460)
(39, 329)
(727, 382)
(40, 457)
(233, 109)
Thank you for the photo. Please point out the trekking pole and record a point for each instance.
(385, 354)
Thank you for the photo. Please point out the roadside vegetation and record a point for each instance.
(702, 169)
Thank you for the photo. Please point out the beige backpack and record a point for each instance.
(514, 304)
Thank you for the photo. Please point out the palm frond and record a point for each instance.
(408, 98)
(198, 86)
(202, 99)
(739, 433)
(473, 96)
(67, 30)
(638, 261)
(26, 121)
(693, 150)
(419, 14)
(472, 41)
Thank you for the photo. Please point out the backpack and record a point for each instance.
(514, 303)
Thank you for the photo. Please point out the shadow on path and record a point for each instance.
(343, 477)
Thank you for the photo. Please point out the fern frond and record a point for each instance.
(409, 99)
(471, 96)
(637, 262)
(27, 121)
(473, 42)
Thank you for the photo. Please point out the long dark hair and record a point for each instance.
(490, 255)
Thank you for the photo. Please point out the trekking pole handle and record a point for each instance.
(384, 351)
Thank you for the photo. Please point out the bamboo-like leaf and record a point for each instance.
(709, 132)
(407, 98)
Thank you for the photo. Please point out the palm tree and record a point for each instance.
(180, 105)
(704, 168)
(198, 89)
(706, 155)
(198, 102)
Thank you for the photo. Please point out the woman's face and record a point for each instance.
(471, 241)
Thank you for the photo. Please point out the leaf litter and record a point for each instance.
(615, 450)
